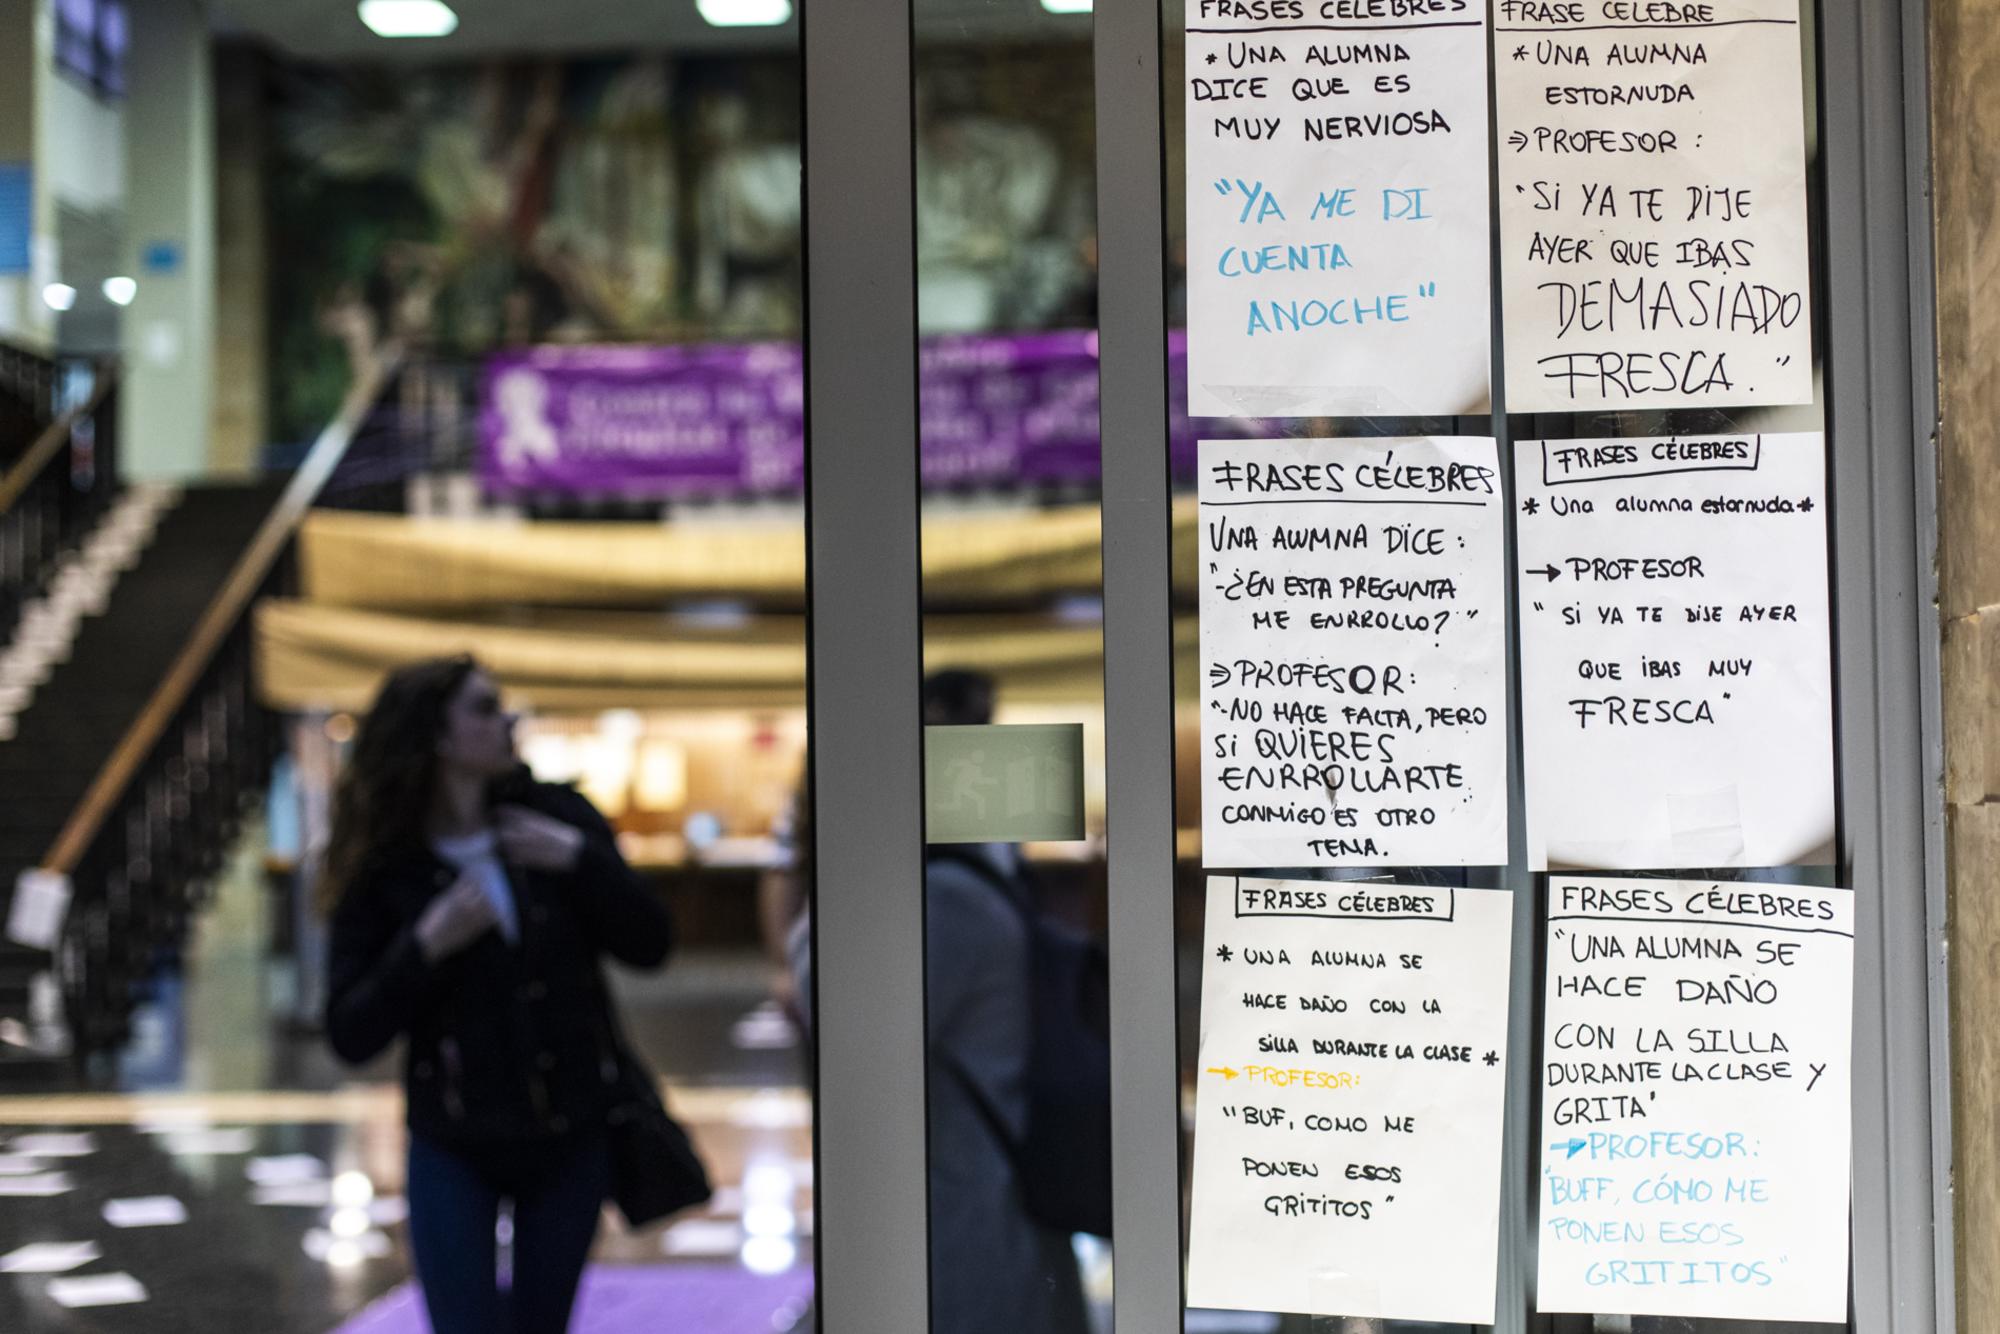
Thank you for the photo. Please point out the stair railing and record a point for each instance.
(54, 493)
(27, 398)
(113, 894)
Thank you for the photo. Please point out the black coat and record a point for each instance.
(506, 1042)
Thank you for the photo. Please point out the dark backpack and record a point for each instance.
(1063, 1162)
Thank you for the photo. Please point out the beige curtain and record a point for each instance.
(396, 563)
(384, 590)
(315, 656)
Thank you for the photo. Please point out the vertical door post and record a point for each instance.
(865, 665)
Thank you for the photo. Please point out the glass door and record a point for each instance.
(1389, 784)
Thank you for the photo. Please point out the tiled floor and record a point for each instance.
(289, 1169)
(293, 1216)
(632, 1300)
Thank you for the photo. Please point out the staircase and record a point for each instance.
(89, 703)
(131, 736)
(27, 399)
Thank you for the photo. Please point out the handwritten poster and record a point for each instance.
(1349, 1099)
(1695, 1116)
(1676, 680)
(1338, 242)
(1652, 204)
(1353, 639)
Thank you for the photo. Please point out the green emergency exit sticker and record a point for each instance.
(1003, 784)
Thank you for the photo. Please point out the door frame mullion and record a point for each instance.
(1138, 668)
(864, 668)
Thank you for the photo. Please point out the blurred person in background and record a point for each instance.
(994, 1267)
(470, 908)
(783, 893)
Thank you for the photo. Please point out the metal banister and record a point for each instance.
(221, 617)
(54, 493)
(14, 483)
(133, 861)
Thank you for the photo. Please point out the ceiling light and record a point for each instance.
(409, 18)
(1066, 6)
(662, 777)
(59, 296)
(745, 13)
(120, 291)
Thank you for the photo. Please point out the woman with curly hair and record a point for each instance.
(470, 908)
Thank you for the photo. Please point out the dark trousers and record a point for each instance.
(557, 1189)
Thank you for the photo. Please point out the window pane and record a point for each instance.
(1012, 642)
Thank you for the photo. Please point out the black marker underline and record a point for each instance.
(1648, 27)
(1707, 921)
(1335, 27)
(1343, 917)
(1657, 472)
(1327, 500)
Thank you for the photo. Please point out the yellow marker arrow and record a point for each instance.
(1225, 1072)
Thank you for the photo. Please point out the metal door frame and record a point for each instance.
(865, 663)
(864, 655)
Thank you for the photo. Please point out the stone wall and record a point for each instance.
(1965, 108)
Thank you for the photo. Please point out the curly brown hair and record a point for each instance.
(385, 791)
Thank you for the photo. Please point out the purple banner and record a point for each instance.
(728, 419)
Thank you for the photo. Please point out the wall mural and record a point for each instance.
(639, 200)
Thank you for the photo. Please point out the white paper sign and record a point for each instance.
(1676, 687)
(1349, 1099)
(1696, 1120)
(1338, 243)
(1652, 204)
(1353, 643)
